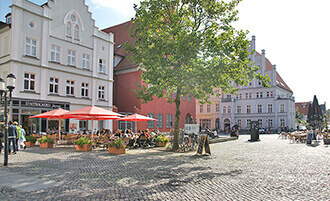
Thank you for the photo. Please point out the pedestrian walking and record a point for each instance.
(21, 137)
(12, 135)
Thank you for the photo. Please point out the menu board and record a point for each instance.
(203, 144)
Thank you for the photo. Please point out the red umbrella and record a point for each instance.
(92, 112)
(53, 114)
(136, 117)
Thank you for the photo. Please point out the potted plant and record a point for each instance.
(161, 141)
(30, 141)
(117, 146)
(46, 142)
(83, 144)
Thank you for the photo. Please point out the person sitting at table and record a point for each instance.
(140, 139)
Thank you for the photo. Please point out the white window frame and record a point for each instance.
(76, 33)
(68, 29)
(282, 122)
(71, 57)
(55, 51)
(229, 109)
(84, 89)
(30, 80)
(201, 108)
(151, 124)
(248, 109)
(69, 87)
(159, 120)
(102, 65)
(101, 92)
(208, 108)
(282, 108)
(270, 108)
(224, 109)
(169, 121)
(239, 109)
(217, 107)
(30, 47)
(86, 61)
(259, 108)
(54, 83)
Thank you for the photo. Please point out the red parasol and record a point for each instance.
(92, 112)
(136, 117)
(53, 114)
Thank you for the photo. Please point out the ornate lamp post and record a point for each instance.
(6, 87)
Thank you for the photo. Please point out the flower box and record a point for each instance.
(113, 150)
(29, 144)
(84, 147)
(46, 145)
(326, 141)
(161, 144)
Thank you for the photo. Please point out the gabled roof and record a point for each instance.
(302, 107)
(121, 36)
(2, 25)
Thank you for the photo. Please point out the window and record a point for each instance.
(282, 108)
(84, 90)
(248, 123)
(86, 61)
(53, 85)
(259, 108)
(240, 96)
(101, 92)
(151, 124)
(31, 47)
(169, 121)
(271, 94)
(260, 122)
(55, 53)
(270, 123)
(68, 29)
(270, 108)
(248, 109)
(239, 109)
(29, 81)
(201, 109)
(71, 58)
(267, 94)
(260, 94)
(101, 65)
(76, 32)
(159, 120)
(70, 87)
(239, 122)
(257, 94)
(246, 95)
(217, 107)
(282, 122)
(208, 108)
(224, 109)
(229, 109)
(250, 95)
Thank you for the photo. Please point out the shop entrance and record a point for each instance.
(227, 125)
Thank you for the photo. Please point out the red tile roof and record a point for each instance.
(121, 36)
(302, 107)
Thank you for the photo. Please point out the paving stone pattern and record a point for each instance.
(272, 169)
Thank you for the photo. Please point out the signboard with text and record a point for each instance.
(191, 128)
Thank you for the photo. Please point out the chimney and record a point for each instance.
(263, 52)
(253, 42)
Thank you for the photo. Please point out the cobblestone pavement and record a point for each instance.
(272, 169)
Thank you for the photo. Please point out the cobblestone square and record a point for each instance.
(271, 169)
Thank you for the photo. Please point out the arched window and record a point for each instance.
(68, 29)
(76, 32)
(229, 109)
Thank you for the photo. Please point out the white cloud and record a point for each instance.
(125, 7)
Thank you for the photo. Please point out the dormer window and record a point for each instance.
(68, 29)
(8, 18)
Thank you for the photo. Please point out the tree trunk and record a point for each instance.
(177, 120)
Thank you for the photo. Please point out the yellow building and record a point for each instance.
(208, 115)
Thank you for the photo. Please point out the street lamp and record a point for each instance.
(10, 83)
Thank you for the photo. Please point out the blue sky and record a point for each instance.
(294, 33)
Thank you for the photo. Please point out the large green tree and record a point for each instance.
(189, 47)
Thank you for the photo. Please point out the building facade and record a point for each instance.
(273, 107)
(60, 59)
(208, 114)
(127, 77)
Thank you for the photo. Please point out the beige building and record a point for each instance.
(208, 114)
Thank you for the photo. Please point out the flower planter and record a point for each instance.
(29, 144)
(85, 147)
(161, 144)
(326, 141)
(46, 145)
(113, 150)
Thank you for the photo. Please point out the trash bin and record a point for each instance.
(254, 131)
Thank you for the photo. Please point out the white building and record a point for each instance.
(60, 59)
(273, 107)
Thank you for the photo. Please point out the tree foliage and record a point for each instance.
(189, 47)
